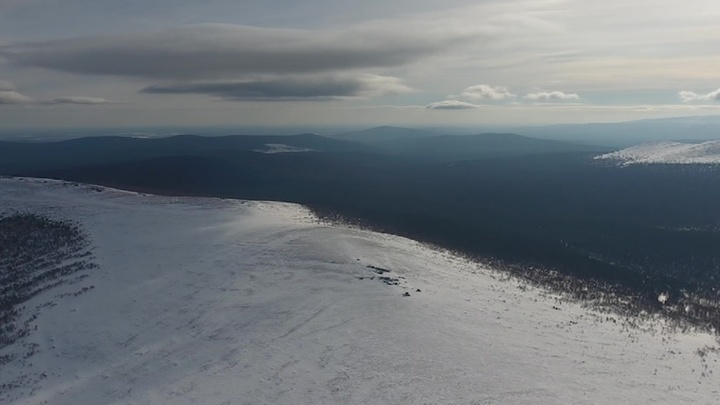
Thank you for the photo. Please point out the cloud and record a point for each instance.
(76, 100)
(690, 96)
(451, 105)
(497, 93)
(318, 88)
(486, 92)
(13, 97)
(8, 95)
(551, 96)
(7, 4)
(6, 86)
(226, 51)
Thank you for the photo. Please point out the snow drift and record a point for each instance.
(233, 302)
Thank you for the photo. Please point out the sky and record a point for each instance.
(119, 63)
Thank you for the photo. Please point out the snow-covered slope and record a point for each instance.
(667, 153)
(228, 302)
(282, 148)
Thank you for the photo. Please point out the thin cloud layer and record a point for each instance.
(486, 92)
(209, 51)
(551, 96)
(237, 62)
(76, 100)
(497, 93)
(13, 97)
(264, 51)
(9, 96)
(6, 86)
(690, 96)
(451, 105)
(501, 93)
(319, 88)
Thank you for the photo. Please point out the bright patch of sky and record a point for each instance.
(322, 62)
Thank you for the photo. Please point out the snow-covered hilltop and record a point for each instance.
(282, 148)
(228, 302)
(667, 153)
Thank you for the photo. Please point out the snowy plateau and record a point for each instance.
(212, 301)
(666, 153)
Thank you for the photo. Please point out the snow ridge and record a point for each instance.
(667, 153)
(282, 148)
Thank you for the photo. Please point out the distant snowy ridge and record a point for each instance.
(667, 153)
(282, 148)
(204, 300)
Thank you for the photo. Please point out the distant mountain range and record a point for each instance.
(19, 157)
(427, 145)
(611, 135)
(384, 133)
(451, 148)
(624, 134)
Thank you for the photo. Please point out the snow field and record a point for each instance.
(230, 302)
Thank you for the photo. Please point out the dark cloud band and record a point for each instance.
(229, 51)
(319, 88)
